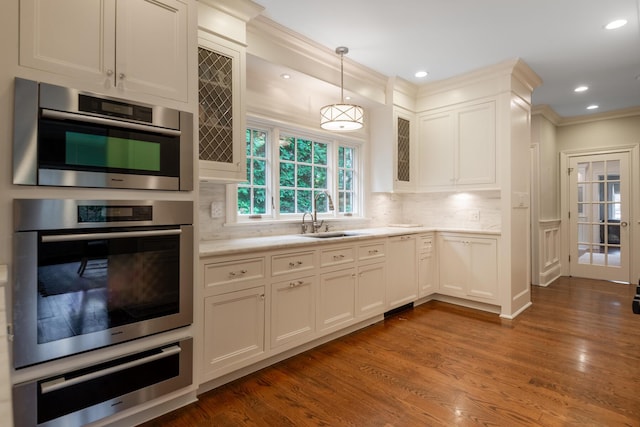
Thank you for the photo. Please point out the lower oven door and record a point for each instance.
(86, 395)
(79, 291)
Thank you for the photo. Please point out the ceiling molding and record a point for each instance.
(557, 120)
(512, 67)
(609, 115)
(275, 43)
(244, 10)
(547, 112)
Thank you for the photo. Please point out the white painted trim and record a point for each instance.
(517, 313)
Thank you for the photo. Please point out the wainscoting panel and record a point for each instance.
(549, 248)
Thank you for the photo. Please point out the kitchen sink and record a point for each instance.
(332, 234)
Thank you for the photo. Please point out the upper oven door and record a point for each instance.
(66, 137)
(93, 152)
(80, 290)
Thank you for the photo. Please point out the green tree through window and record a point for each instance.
(296, 170)
(252, 194)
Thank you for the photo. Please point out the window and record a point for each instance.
(302, 171)
(252, 194)
(346, 179)
(303, 174)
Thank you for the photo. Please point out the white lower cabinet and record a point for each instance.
(468, 266)
(370, 289)
(293, 310)
(337, 299)
(258, 304)
(427, 284)
(234, 330)
(402, 283)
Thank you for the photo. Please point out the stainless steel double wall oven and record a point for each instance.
(95, 273)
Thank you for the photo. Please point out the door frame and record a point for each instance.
(634, 203)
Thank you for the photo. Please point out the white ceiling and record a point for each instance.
(563, 41)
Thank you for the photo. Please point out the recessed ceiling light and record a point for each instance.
(616, 24)
(347, 97)
(285, 76)
(581, 89)
(421, 74)
(593, 107)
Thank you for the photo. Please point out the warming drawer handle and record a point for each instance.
(60, 383)
(117, 235)
(62, 115)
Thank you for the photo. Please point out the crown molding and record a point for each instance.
(548, 112)
(512, 67)
(244, 10)
(609, 115)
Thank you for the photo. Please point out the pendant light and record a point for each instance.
(341, 117)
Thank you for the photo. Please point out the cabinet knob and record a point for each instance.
(121, 76)
(109, 73)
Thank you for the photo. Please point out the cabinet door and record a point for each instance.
(453, 253)
(476, 153)
(402, 283)
(293, 313)
(151, 47)
(336, 303)
(370, 292)
(233, 330)
(483, 266)
(222, 145)
(75, 38)
(426, 266)
(436, 151)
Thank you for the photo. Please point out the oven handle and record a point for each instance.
(62, 382)
(63, 115)
(117, 235)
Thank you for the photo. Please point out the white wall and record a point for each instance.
(599, 134)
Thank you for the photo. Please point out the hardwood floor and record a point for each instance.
(573, 358)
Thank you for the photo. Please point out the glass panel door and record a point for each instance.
(598, 216)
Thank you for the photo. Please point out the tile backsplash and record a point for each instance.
(476, 211)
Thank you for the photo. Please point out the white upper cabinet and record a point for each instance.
(457, 148)
(393, 150)
(111, 46)
(221, 86)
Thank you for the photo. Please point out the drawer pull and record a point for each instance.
(239, 273)
(295, 284)
(295, 264)
(338, 257)
(373, 252)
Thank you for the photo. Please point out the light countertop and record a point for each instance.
(288, 241)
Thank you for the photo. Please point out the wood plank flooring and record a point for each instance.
(571, 359)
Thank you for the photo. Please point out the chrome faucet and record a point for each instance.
(315, 225)
(304, 225)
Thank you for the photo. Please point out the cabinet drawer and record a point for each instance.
(291, 263)
(371, 251)
(224, 273)
(425, 244)
(337, 256)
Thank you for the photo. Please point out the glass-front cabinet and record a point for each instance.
(221, 110)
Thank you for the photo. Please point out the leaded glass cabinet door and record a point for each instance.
(403, 168)
(221, 119)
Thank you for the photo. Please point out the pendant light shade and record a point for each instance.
(341, 117)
